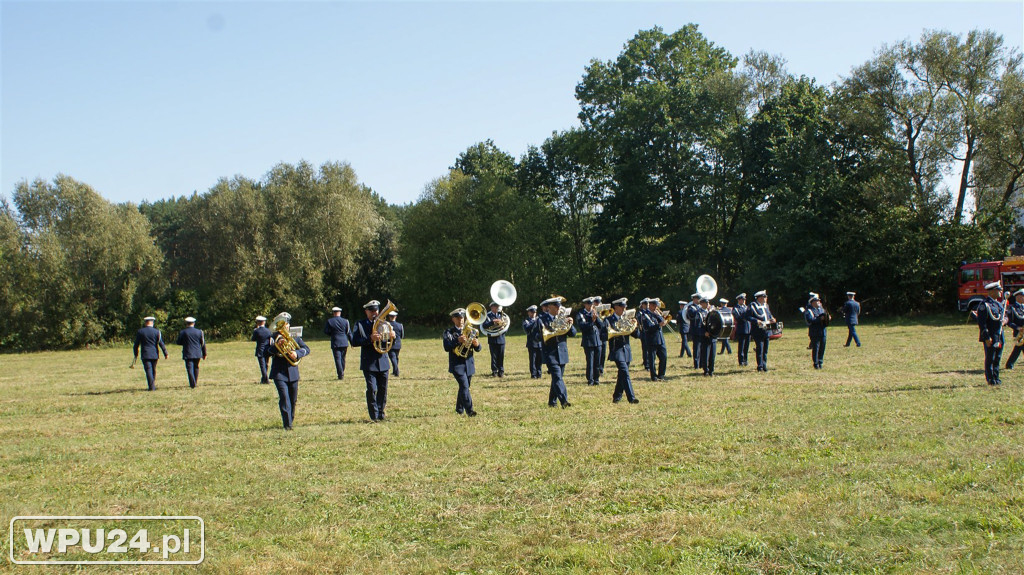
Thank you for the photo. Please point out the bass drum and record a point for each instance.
(720, 324)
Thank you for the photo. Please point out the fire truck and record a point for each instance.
(973, 277)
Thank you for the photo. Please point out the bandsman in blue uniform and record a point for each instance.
(817, 324)
(495, 343)
(759, 315)
(739, 319)
(707, 342)
(340, 331)
(375, 366)
(1015, 321)
(990, 331)
(657, 354)
(694, 334)
(261, 335)
(284, 374)
(683, 323)
(641, 328)
(193, 349)
(556, 352)
(148, 340)
(851, 311)
(620, 352)
(589, 324)
(603, 330)
(396, 345)
(534, 341)
(462, 368)
(723, 306)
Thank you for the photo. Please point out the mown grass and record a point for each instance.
(897, 458)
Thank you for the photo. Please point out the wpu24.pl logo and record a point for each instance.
(107, 540)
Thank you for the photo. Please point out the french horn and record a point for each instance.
(560, 325)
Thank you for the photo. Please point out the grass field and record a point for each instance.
(896, 458)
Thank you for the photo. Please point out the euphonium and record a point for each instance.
(381, 326)
(475, 315)
(284, 342)
(624, 326)
(604, 310)
(559, 326)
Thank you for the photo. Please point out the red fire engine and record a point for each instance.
(973, 278)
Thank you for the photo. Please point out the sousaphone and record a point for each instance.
(504, 294)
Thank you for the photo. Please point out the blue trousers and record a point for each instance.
(852, 335)
(376, 393)
(464, 401)
(497, 358)
(992, 356)
(149, 365)
(1013, 356)
(742, 348)
(818, 350)
(393, 356)
(685, 349)
(698, 352)
(192, 369)
(263, 369)
(558, 392)
(593, 355)
(644, 351)
(726, 348)
(761, 352)
(709, 350)
(656, 351)
(339, 360)
(604, 357)
(623, 384)
(287, 393)
(536, 361)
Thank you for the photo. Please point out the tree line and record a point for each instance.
(687, 160)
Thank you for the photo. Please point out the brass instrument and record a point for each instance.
(475, 315)
(284, 342)
(604, 310)
(381, 326)
(707, 286)
(503, 293)
(624, 326)
(559, 326)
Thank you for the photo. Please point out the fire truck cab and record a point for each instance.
(973, 277)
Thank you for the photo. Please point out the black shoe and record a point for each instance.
(634, 400)
(1008, 366)
(459, 412)
(288, 427)
(501, 375)
(566, 404)
(340, 377)
(552, 405)
(471, 413)
(616, 399)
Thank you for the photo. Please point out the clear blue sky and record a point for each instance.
(149, 100)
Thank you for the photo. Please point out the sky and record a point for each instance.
(146, 100)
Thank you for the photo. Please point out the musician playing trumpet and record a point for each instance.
(817, 322)
(1015, 321)
(621, 353)
(590, 324)
(761, 319)
(462, 368)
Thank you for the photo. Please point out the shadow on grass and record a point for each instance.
(109, 391)
(924, 388)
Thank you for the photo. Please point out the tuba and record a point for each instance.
(559, 326)
(624, 326)
(284, 342)
(475, 316)
(381, 326)
(707, 286)
(503, 293)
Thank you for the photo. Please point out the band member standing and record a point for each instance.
(261, 335)
(556, 352)
(739, 320)
(495, 343)
(534, 341)
(851, 311)
(641, 327)
(653, 323)
(147, 340)
(375, 365)
(462, 368)
(193, 349)
(759, 316)
(724, 308)
(621, 353)
(589, 324)
(695, 318)
(817, 322)
(683, 322)
(707, 342)
(284, 374)
(396, 346)
(340, 331)
(1015, 321)
(603, 330)
(990, 324)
